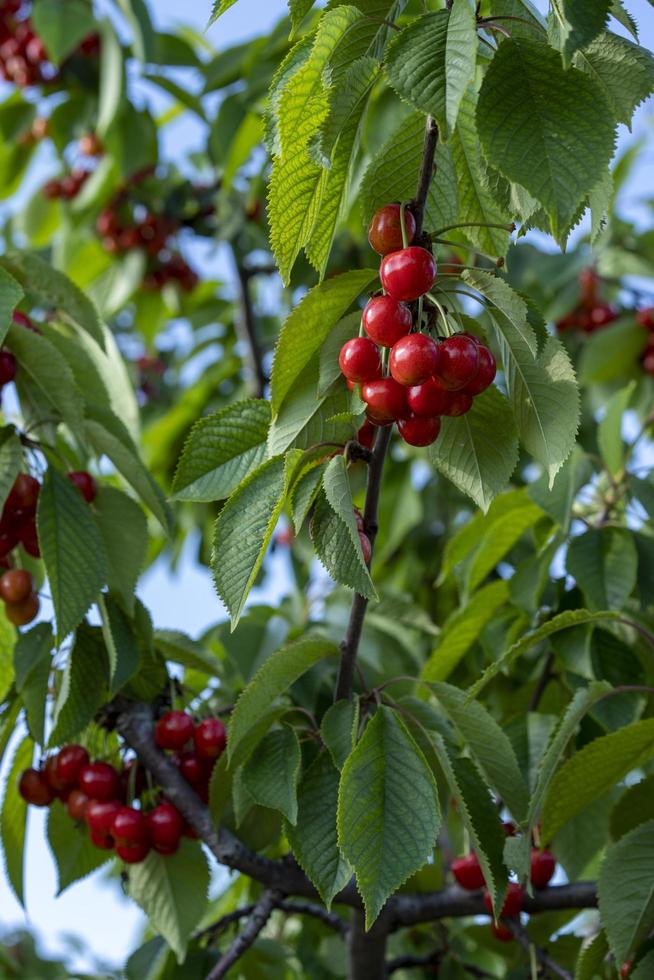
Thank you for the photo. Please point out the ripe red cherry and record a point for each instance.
(485, 373)
(173, 730)
(385, 320)
(129, 826)
(133, 853)
(366, 547)
(407, 274)
(359, 360)
(386, 400)
(501, 932)
(210, 739)
(366, 434)
(165, 825)
(85, 484)
(588, 285)
(429, 399)
(7, 367)
(99, 781)
(34, 788)
(458, 362)
(543, 866)
(29, 539)
(468, 873)
(414, 359)
(646, 318)
(68, 765)
(15, 585)
(22, 613)
(568, 322)
(99, 819)
(460, 403)
(385, 229)
(601, 315)
(419, 431)
(24, 494)
(76, 804)
(509, 828)
(195, 771)
(512, 902)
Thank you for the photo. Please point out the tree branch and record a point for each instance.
(545, 961)
(246, 328)
(256, 922)
(426, 174)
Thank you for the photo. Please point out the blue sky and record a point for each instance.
(186, 599)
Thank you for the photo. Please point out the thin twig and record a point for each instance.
(544, 960)
(256, 922)
(290, 906)
(543, 681)
(246, 327)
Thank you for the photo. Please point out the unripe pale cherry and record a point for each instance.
(418, 431)
(414, 359)
(409, 273)
(359, 360)
(386, 320)
(485, 373)
(458, 362)
(386, 400)
(385, 229)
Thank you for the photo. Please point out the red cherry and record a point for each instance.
(501, 932)
(29, 539)
(166, 825)
(133, 853)
(195, 772)
(543, 866)
(458, 362)
(49, 768)
(509, 828)
(34, 788)
(15, 586)
(210, 738)
(648, 362)
(625, 969)
(601, 315)
(460, 403)
(646, 317)
(407, 274)
(485, 373)
(512, 902)
(588, 285)
(22, 613)
(386, 400)
(419, 431)
(99, 819)
(359, 360)
(429, 399)
(366, 434)
(366, 547)
(85, 484)
(8, 537)
(568, 322)
(99, 781)
(173, 730)
(68, 765)
(76, 805)
(468, 873)
(24, 494)
(129, 826)
(385, 320)
(7, 367)
(414, 359)
(385, 229)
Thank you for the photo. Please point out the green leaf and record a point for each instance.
(498, 540)
(610, 353)
(386, 786)
(271, 773)
(8, 636)
(478, 451)
(84, 685)
(489, 746)
(274, 677)
(112, 78)
(222, 450)
(143, 36)
(574, 23)
(218, 9)
(623, 16)
(557, 501)
(305, 419)
(121, 642)
(644, 968)
(309, 324)
(62, 27)
(32, 663)
(552, 133)
(298, 9)
(604, 562)
(466, 539)
(609, 430)
(11, 294)
(181, 649)
(623, 71)
(626, 891)
(593, 770)
(11, 458)
(72, 550)
(635, 806)
(590, 963)
(463, 628)
(338, 553)
(303, 493)
(74, 854)
(13, 819)
(338, 730)
(124, 530)
(173, 892)
(313, 839)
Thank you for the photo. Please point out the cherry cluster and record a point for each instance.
(103, 797)
(426, 378)
(23, 58)
(67, 187)
(591, 313)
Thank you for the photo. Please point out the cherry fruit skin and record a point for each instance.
(99, 819)
(366, 547)
(414, 359)
(386, 320)
(460, 403)
(419, 431)
(68, 765)
(129, 826)
(174, 730)
(512, 902)
(588, 286)
(485, 373)
(645, 318)
(133, 853)
(366, 434)
(29, 539)
(408, 274)
(34, 788)
(468, 873)
(386, 400)
(7, 367)
(76, 805)
(210, 739)
(22, 613)
(385, 229)
(501, 932)
(15, 585)
(359, 360)
(100, 782)
(543, 866)
(429, 399)
(458, 362)
(85, 484)
(165, 826)
(24, 494)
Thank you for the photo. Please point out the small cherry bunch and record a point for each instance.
(23, 58)
(645, 318)
(591, 313)
(425, 378)
(68, 186)
(176, 732)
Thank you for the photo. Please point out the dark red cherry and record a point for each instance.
(588, 286)
(366, 547)
(458, 362)
(129, 826)
(15, 585)
(210, 739)
(429, 399)
(99, 818)
(35, 789)
(419, 431)
(414, 359)
(174, 730)
(385, 229)
(407, 274)
(22, 613)
(460, 403)
(68, 765)
(543, 866)
(7, 367)
(359, 360)
(468, 873)
(165, 826)
(23, 495)
(645, 317)
(366, 434)
(76, 804)
(386, 400)
(85, 484)
(99, 781)
(501, 932)
(485, 373)
(512, 902)
(29, 539)
(386, 320)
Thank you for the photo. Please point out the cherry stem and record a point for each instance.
(405, 237)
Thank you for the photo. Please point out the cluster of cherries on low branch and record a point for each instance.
(121, 811)
(425, 377)
(24, 60)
